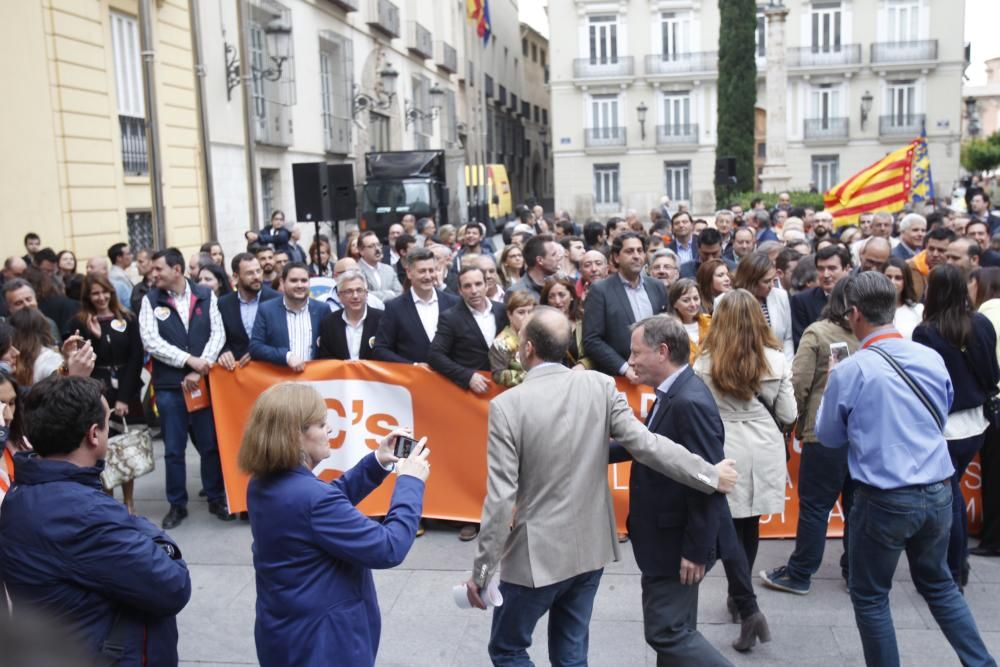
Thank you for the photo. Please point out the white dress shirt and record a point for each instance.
(354, 333)
(428, 313)
(486, 322)
(300, 334)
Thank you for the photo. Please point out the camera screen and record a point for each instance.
(404, 446)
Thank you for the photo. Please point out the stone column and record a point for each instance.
(775, 175)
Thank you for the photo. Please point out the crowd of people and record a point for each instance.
(732, 320)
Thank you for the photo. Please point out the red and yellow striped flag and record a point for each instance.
(883, 186)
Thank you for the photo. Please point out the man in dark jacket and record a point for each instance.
(72, 552)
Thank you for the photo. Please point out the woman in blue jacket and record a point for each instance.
(312, 549)
(967, 342)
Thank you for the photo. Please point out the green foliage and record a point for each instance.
(801, 198)
(981, 154)
(737, 91)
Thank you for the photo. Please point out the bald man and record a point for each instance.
(98, 265)
(874, 254)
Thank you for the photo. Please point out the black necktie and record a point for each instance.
(656, 406)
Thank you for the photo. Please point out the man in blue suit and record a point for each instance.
(239, 309)
(832, 263)
(616, 302)
(286, 330)
(410, 321)
(675, 530)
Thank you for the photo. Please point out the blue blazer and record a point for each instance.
(269, 341)
(766, 234)
(401, 337)
(312, 550)
(806, 307)
(607, 317)
(237, 341)
(690, 269)
(667, 520)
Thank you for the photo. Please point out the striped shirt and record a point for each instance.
(300, 333)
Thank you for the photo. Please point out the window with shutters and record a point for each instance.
(336, 83)
(128, 87)
(678, 177)
(606, 185)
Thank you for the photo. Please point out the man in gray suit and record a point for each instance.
(381, 278)
(617, 302)
(552, 466)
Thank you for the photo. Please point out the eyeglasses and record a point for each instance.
(357, 291)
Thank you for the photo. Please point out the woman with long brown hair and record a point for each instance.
(756, 274)
(560, 293)
(744, 366)
(713, 281)
(38, 356)
(987, 287)
(320, 260)
(114, 334)
(684, 301)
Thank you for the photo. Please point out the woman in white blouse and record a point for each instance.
(909, 313)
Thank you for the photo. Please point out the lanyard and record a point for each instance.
(890, 334)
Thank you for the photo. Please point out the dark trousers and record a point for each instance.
(916, 520)
(990, 459)
(175, 422)
(569, 604)
(670, 618)
(823, 476)
(738, 577)
(962, 452)
(748, 537)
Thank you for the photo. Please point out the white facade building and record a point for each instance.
(863, 78)
(329, 102)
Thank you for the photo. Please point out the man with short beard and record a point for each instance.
(239, 309)
(265, 255)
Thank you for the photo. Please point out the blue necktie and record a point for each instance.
(660, 396)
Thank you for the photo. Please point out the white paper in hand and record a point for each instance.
(491, 595)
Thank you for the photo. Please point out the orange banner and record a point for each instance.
(366, 400)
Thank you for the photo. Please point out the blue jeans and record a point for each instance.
(883, 525)
(175, 423)
(823, 476)
(962, 452)
(569, 604)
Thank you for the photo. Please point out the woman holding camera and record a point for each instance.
(313, 550)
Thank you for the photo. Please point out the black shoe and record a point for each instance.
(174, 517)
(220, 510)
(202, 494)
(244, 516)
(985, 551)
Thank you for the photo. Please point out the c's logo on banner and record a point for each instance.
(359, 414)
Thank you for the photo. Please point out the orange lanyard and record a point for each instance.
(887, 335)
(8, 460)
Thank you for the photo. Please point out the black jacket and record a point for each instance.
(333, 336)
(806, 307)
(237, 340)
(459, 350)
(606, 320)
(973, 370)
(401, 336)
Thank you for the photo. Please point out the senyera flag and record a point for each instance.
(900, 178)
(365, 400)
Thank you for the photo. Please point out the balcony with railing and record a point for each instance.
(135, 160)
(825, 129)
(610, 67)
(447, 57)
(420, 41)
(337, 134)
(842, 55)
(901, 125)
(677, 135)
(888, 53)
(604, 137)
(681, 64)
(384, 17)
(346, 5)
(272, 124)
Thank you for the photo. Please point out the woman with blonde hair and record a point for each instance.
(744, 366)
(312, 548)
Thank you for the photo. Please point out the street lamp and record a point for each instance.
(641, 112)
(866, 107)
(413, 114)
(276, 38)
(385, 91)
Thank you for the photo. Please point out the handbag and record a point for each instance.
(912, 384)
(130, 455)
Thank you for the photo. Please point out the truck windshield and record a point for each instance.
(396, 196)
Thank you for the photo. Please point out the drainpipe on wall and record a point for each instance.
(152, 122)
(206, 146)
(246, 72)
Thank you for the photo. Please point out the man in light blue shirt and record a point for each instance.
(899, 458)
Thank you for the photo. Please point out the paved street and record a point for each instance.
(422, 626)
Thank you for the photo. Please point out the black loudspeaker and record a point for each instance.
(312, 192)
(725, 171)
(324, 191)
(340, 178)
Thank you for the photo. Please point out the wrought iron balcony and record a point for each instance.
(603, 68)
(600, 137)
(901, 124)
(447, 57)
(337, 134)
(420, 41)
(673, 135)
(667, 64)
(384, 17)
(346, 5)
(905, 52)
(825, 129)
(135, 159)
(818, 56)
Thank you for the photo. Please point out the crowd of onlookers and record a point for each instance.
(760, 293)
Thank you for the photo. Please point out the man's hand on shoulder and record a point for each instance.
(727, 475)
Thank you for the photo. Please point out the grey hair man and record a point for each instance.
(895, 390)
(549, 561)
(881, 225)
(724, 220)
(912, 229)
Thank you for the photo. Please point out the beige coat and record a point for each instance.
(810, 368)
(753, 439)
(547, 457)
